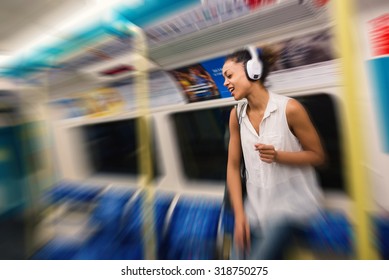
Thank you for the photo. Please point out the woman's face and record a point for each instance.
(235, 79)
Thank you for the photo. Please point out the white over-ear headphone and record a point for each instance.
(253, 66)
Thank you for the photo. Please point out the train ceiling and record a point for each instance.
(177, 30)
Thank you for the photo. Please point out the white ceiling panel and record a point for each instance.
(22, 21)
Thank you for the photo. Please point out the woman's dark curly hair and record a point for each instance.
(266, 54)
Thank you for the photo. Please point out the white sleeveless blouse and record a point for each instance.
(276, 190)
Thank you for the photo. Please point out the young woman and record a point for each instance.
(280, 146)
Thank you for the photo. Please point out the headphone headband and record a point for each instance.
(253, 52)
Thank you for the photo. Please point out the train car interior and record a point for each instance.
(114, 138)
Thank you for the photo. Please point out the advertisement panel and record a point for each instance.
(204, 81)
(378, 34)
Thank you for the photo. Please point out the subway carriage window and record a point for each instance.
(113, 148)
(322, 110)
(203, 136)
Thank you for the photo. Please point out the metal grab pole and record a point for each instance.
(353, 145)
(144, 142)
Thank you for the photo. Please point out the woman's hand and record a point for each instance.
(242, 234)
(267, 153)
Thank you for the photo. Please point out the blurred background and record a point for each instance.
(114, 123)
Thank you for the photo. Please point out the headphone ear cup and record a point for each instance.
(247, 70)
(253, 70)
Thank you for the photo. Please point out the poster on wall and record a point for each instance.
(103, 101)
(196, 82)
(305, 50)
(95, 103)
(214, 66)
(204, 81)
(378, 34)
(163, 91)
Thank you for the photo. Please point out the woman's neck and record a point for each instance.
(258, 99)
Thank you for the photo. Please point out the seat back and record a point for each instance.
(132, 235)
(193, 229)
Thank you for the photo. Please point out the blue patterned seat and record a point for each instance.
(193, 230)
